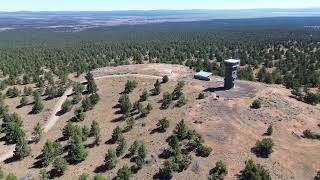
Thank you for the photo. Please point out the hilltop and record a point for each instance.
(224, 119)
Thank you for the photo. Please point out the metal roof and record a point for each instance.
(232, 61)
(203, 73)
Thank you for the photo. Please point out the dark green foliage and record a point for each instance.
(22, 149)
(38, 105)
(201, 96)
(182, 101)
(27, 91)
(13, 128)
(92, 86)
(124, 173)
(78, 88)
(165, 79)
(11, 176)
(23, 101)
(256, 104)
(130, 124)
(130, 86)
(312, 98)
(144, 96)
(264, 147)
(157, 88)
(66, 106)
(145, 111)
(13, 92)
(163, 124)
(79, 114)
(84, 176)
(142, 151)
(76, 98)
(117, 134)
(87, 104)
(44, 175)
(95, 132)
(94, 98)
(60, 166)
(181, 130)
(50, 151)
(122, 146)
(269, 130)
(77, 151)
(125, 105)
(110, 159)
(203, 151)
(310, 135)
(177, 92)
(37, 132)
(254, 171)
(218, 172)
(195, 140)
(99, 177)
(139, 162)
(246, 74)
(166, 101)
(134, 148)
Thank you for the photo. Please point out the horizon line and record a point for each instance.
(230, 9)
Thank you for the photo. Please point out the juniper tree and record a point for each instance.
(95, 132)
(60, 166)
(23, 101)
(163, 124)
(110, 159)
(77, 151)
(22, 149)
(122, 146)
(37, 132)
(38, 105)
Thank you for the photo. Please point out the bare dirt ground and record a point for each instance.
(224, 119)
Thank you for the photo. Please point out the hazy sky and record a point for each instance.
(106, 5)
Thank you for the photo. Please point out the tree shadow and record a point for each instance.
(110, 141)
(215, 89)
(60, 113)
(100, 169)
(38, 164)
(255, 151)
(157, 130)
(11, 160)
(118, 119)
(165, 154)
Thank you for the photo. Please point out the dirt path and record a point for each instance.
(53, 118)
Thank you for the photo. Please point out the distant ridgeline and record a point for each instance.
(282, 50)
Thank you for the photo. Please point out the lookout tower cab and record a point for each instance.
(231, 66)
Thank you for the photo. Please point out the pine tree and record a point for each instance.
(124, 173)
(22, 149)
(142, 151)
(60, 166)
(23, 101)
(95, 132)
(44, 175)
(122, 146)
(163, 124)
(77, 151)
(157, 88)
(117, 134)
(92, 87)
(38, 105)
(110, 159)
(37, 132)
(134, 148)
(181, 130)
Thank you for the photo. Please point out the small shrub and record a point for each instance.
(124, 173)
(264, 147)
(165, 79)
(11, 176)
(122, 146)
(204, 151)
(134, 148)
(201, 96)
(130, 86)
(163, 124)
(110, 159)
(310, 135)
(256, 104)
(66, 106)
(218, 172)
(166, 101)
(99, 177)
(144, 96)
(254, 171)
(84, 176)
(182, 101)
(269, 130)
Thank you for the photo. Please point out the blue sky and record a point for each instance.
(107, 5)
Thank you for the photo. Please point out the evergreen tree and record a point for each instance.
(181, 130)
(77, 151)
(38, 105)
(144, 96)
(79, 115)
(23, 101)
(254, 171)
(22, 149)
(134, 148)
(218, 172)
(111, 159)
(44, 175)
(157, 88)
(117, 134)
(166, 101)
(60, 166)
(92, 87)
(163, 124)
(122, 146)
(95, 132)
(11, 176)
(142, 151)
(124, 173)
(37, 132)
